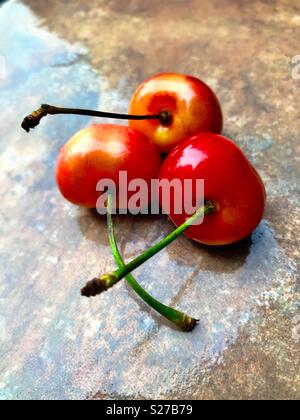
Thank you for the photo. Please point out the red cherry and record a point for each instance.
(190, 107)
(231, 183)
(101, 152)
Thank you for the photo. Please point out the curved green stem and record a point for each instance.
(99, 285)
(182, 320)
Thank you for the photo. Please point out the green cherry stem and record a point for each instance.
(33, 120)
(105, 282)
(182, 320)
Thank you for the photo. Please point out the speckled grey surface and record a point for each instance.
(57, 345)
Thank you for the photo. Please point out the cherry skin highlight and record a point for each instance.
(101, 152)
(231, 183)
(191, 107)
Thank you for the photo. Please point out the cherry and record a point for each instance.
(231, 183)
(187, 106)
(101, 152)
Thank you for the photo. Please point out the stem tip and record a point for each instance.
(33, 120)
(99, 285)
(188, 324)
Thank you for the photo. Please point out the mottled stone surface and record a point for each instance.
(55, 344)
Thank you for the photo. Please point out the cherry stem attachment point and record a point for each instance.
(105, 282)
(33, 120)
